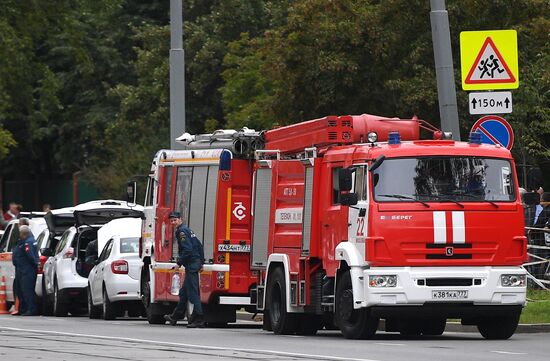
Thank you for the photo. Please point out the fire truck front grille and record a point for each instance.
(332, 136)
(332, 123)
(346, 123)
(439, 282)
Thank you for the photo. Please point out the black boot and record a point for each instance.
(198, 321)
(171, 319)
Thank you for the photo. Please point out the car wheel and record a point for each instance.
(59, 308)
(94, 312)
(109, 309)
(47, 308)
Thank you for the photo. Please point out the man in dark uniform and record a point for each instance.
(191, 256)
(25, 260)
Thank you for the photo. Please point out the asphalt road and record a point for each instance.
(78, 338)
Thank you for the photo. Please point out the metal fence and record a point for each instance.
(538, 265)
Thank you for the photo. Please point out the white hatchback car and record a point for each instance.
(66, 273)
(113, 284)
(8, 241)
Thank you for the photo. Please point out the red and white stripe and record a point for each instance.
(449, 227)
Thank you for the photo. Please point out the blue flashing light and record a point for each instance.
(475, 138)
(225, 160)
(394, 138)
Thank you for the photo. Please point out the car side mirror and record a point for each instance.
(46, 252)
(131, 189)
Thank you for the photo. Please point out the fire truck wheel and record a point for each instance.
(153, 317)
(59, 308)
(309, 325)
(498, 328)
(353, 323)
(282, 322)
(434, 327)
(94, 312)
(109, 309)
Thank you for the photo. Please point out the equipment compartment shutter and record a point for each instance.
(198, 199)
(262, 206)
(210, 213)
(308, 195)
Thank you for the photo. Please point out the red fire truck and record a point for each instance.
(210, 183)
(340, 222)
(357, 220)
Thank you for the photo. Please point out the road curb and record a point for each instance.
(451, 326)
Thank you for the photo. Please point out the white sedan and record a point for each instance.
(113, 284)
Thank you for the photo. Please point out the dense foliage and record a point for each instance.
(84, 84)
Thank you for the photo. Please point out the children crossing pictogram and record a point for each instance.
(489, 60)
(489, 66)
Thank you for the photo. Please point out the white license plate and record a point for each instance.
(233, 248)
(449, 295)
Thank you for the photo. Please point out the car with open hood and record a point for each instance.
(66, 272)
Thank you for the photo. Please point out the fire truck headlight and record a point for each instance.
(383, 281)
(512, 280)
(372, 137)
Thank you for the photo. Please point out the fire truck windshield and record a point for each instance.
(444, 179)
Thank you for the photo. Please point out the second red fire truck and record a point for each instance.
(341, 222)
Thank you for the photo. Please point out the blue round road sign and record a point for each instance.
(494, 130)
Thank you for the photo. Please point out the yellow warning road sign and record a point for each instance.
(489, 59)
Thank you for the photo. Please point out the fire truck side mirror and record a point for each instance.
(531, 198)
(345, 179)
(349, 199)
(131, 188)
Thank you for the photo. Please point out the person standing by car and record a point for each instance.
(25, 260)
(191, 256)
(17, 290)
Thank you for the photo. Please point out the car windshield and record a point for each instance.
(129, 245)
(444, 179)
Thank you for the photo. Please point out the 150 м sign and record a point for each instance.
(490, 102)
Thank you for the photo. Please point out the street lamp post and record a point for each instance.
(177, 73)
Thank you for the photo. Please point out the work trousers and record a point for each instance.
(24, 283)
(189, 292)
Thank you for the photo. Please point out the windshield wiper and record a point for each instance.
(463, 194)
(446, 198)
(401, 196)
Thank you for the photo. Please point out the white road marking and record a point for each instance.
(509, 353)
(213, 348)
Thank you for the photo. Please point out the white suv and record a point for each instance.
(66, 273)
